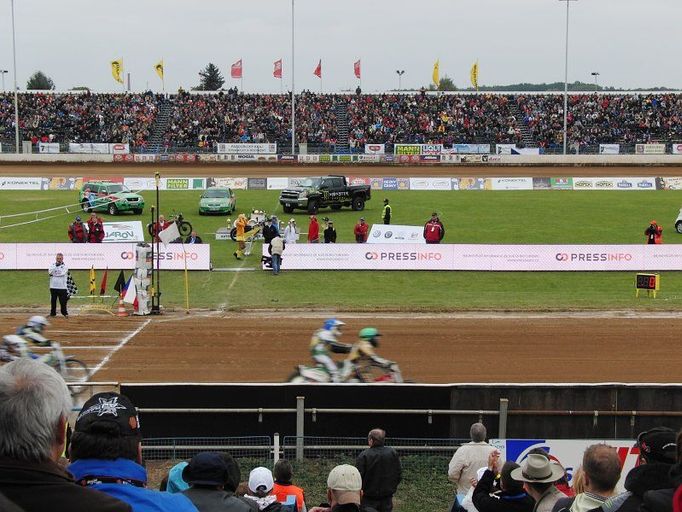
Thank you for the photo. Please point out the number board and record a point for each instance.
(648, 281)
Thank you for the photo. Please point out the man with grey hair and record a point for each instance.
(468, 459)
(380, 470)
(34, 407)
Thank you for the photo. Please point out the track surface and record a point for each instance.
(104, 170)
(265, 347)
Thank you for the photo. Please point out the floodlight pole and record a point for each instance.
(293, 89)
(568, 3)
(156, 298)
(3, 72)
(595, 74)
(400, 73)
(16, 97)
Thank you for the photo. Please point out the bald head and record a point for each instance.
(376, 437)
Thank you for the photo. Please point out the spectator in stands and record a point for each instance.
(78, 232)
(212, 483)
(666, 499)
(386, 212)
(361, 231)
(434, 231)
(106, 455)
(601, 472)
(34, 408)
(380, 470)
(654, 233)
(193, 238)
(344, 491)
(283, 488)
(330, 233)
(291, 232)
(468, 459)
(313, 230)
(95, 229)
(260, 492)
(174, 481)
(539, 475)
(511, 498)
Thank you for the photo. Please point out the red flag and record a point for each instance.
(277, 73)
(318, 70)
(103, 286)
(236, 71)
(356, 69)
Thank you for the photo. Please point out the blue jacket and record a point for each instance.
(140, 498)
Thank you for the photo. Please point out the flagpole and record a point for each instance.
(163, 76)
(16, 97)
(293, 88)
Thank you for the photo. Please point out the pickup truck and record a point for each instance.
(327, 191)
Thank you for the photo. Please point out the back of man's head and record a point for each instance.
(107, 428)
(34, 401)
(657, 446)
(283, 472)
(507, 482)
(602, 468)
(477, 432)
(344, 485)
(377, 437)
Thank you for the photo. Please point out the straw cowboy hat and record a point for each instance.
(537, 469)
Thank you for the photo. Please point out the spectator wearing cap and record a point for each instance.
(387, 212)
(468, 459)
(106, 455)
(511, 498)
(380, 470)
(361, 231)
(174, 482)
(344, 491)
(539, 475)
(601, 472)
(269, 231)
(260, 493)
(213, 478)
(291, 232)
(78, 232)
(313, 230)
(656, 451)
(34, 408)
(434, 231)
(330, 233)
(283, 488)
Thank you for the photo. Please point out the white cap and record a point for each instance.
(346, 481)
(261, 477)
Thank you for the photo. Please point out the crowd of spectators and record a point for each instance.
(198, 121)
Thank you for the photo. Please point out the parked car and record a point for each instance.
(113, 198)
(678, 222)
(217, 200)
(334, 192)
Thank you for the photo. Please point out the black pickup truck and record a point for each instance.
(327, 191)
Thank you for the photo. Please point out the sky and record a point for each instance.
(629, 43)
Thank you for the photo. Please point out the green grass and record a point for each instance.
(524, 217)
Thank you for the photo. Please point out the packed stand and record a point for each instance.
(602, 119)
(64, 118)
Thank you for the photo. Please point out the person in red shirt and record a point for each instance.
(283, 473)
(654, 234)
(78, 233)
(157, 227)
(434, 231)
(95, 229)
(313, 231)
(361, 231)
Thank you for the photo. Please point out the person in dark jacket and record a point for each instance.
(330, 233)
(213, 478)
(269, 231)
(344, 491)
(380, 470)
(193, 238)
(434, 231)
(78, 232)
(34, 408)
(512, 497)
(661, 499)
(95, 229)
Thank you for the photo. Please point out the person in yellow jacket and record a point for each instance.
(362, 353)
(386, 212)
(241, 229)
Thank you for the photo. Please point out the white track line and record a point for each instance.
(89, 347)
(70, 331)
(118, 347)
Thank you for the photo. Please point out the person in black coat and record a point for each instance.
(381, 472)
(193, 238)
(512, 497)
(269, 231)
(330, 233)
(654, 481)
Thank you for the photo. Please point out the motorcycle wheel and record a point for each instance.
(296, 378)
(75, 371)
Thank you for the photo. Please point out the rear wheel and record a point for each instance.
(75, 372)
(85, 205)
(112, 209)
(296, 378)
(233, 234)
(358, 203)
(185, 228)
(678, 226)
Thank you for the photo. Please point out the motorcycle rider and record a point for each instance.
(362, 353)
(16, 346)
(325, 340)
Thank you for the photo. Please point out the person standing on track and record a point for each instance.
(58, 273)
(386, 212)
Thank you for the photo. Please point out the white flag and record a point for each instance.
(131, 292)
(169, 234)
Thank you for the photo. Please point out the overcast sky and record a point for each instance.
(630, 43)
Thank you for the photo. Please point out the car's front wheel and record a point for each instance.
(678, 226)
(112, 209)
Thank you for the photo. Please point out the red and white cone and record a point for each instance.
(121, 307)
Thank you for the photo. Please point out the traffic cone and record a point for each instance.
(121, 307)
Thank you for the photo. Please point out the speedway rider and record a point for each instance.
(16, 346)
(362, 352)
(325, 340)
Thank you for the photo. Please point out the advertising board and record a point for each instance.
(229, 182)
(650, 149)
(269, 148)
(123, 231)
(473, 149)
(677, 148)
(396, 234)
(407, 149)
(609, 149)
(48, 147)
(375, 149)
(436, 183)
(511, 183)
(278, 183)
(20, 183)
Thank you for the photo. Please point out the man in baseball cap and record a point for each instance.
(344, 491)
(106, 455)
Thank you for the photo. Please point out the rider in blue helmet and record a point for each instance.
(324, 342)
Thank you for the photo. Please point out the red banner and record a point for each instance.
(236, 71)
(318, 70)
(356, 69)
(277, 73)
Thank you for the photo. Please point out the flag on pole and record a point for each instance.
(103, 286)
(436, 73)
(131, 292)
(236, 70)
(117, 70)
(159, 69)
(356, 69)
(277, 73)
(474, 75)
(93, 278)
(169, 234)
(318, 70)
(120, 283)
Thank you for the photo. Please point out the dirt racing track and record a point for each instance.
(439, 348)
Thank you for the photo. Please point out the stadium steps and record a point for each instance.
(342, 128)
(160, 127)
(521, 123)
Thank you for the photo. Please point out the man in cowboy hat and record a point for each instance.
(538, 475)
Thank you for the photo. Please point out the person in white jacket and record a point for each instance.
(58, 290)
(291, 232)
(468, 459)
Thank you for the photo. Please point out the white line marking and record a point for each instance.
(101, 347)
(91, 332)
(119, 347)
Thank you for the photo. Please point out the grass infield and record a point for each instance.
(519, 217)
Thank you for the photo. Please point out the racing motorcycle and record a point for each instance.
(349, 372)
